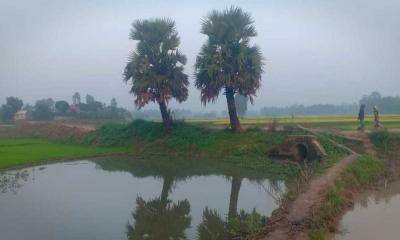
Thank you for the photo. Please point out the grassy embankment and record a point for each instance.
(341, 122)
(147, 140)
(247, 149)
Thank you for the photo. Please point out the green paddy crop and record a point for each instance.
(17, 152)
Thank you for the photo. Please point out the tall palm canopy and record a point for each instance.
(155, 68)
(227, 60)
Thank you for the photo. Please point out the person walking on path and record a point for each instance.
(361, 116)
(377, 124)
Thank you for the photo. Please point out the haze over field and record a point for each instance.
(315, 51)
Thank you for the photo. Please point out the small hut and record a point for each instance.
(21, 116)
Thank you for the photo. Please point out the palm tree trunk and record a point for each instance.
(166, 118)
(234, 120)
(233, 200)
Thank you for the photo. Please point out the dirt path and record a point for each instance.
(293, 223)
(358, 136)
(86, 127)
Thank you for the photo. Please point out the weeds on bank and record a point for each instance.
(385, 142)
(364, 170)
(317, 235)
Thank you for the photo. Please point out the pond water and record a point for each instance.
(376, 215)
(120, 199)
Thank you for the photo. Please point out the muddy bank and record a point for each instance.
(68, 132)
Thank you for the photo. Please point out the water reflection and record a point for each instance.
(216, 227)
(375, 215)
(213, 226)
(160, 218)
(134, 199)
(233, 200)
(13, 180)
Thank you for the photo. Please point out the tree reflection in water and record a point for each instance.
(11, 181)
(160, 218)
(238, 226)
(213, 227)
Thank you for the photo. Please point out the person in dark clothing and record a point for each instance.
(361, 116)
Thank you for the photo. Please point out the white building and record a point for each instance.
(21, 116)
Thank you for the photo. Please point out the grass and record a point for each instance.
(334, 153)
(342, 122)
(365, 170)
(188, 143)
(355, 145)
(248, 149)
(147, 140)
(16, 152)
(385, 142)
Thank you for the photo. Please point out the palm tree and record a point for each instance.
(227, 61)
(155, 68)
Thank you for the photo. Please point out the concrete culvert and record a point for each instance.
(300, 152)
(299, 148)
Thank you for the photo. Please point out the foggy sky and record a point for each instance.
(315, 51)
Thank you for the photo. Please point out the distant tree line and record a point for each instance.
(316, 109)
(7, 110)
(386, 105)
(92, 109)
(48, 109)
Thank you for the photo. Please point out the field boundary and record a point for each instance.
(293, 222)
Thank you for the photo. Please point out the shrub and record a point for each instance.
(117, 134)
(366, 169)
(380, 139)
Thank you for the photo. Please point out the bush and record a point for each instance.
(380, 139)
(6, 113)
(385, 141)
(366, 169)
(116, 134)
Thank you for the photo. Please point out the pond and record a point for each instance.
(126, 199)
(376, 215)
